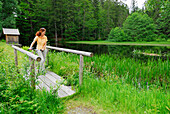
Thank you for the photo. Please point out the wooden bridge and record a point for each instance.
(50, 80)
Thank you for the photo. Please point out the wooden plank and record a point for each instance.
(47, 81)
(54, 80)
(67, 90)
(54, 75)
(62, 93)
(43, 85)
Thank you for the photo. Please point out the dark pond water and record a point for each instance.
(141, 52)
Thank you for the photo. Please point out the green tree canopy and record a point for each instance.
(153, 8)
(9, 11)
(139, 27)
(0, 16)
(116, 35)
(164, 21)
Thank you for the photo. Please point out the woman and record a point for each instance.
(41, 40)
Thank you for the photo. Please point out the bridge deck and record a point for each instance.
(52, 81)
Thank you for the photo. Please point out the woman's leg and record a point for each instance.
(40, 53)
(44, 55)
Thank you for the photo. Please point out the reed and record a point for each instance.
(136, 72)
(116, 96)
(152, 72)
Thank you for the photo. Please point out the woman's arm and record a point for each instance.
(35, 39)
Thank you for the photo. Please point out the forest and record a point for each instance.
(87, 19)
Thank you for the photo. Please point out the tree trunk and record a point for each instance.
(84, 25)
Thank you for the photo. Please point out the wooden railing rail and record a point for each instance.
(71, 51)
(81, 53)
(32, 57)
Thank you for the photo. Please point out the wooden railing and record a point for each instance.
(32, 57)
(81, 53)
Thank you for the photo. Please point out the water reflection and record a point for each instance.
(141, 52)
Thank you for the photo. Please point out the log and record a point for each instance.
(89, 54)
(31, 55)
(32, 76)
(47, 57)
(81, 70)
(16, 58)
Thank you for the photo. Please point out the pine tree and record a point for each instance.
(9, 12)
(164, 21)
(153, 8)
(26, 21)
(134, 6)
(0, 17)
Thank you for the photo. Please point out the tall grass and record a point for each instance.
(152, 72)
(118, 85)
(142, 74)
(16, 94)
(121, 97)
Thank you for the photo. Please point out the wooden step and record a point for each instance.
(52, 80)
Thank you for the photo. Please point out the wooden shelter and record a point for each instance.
(12, 35)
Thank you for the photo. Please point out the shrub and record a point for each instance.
(139, 27)
(3, 40)
(116, 35)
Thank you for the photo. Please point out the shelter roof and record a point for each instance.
(11, 31)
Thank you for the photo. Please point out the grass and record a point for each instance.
(136, 72)
(121, 97)
(117, 85)
(108, 84)
(16, 94)
(167, 43)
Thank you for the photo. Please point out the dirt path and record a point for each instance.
(79, 110)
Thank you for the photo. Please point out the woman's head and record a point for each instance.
(41, 32)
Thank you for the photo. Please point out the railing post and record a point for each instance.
(47, 56)
(32, 74)
(81, 70)
(16, 58)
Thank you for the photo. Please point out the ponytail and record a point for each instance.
(40, 31)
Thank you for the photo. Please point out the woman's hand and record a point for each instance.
(30, 49)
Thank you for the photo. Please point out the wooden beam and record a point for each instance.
(32, 73)
(16, 58)
(81, 70)
(31, 55)
(89, 54)
(47, 57)
(6, 38)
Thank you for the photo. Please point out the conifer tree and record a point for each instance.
(8, 13)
